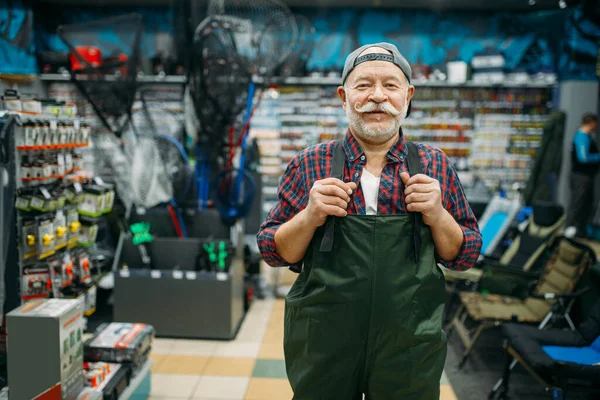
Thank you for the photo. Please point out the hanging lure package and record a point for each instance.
(73, 225)
(45, 235)
(61, 230)
(93, 204)
(42, 200)
(120, 343)
(90, 295)
(36, 283)
(83, 267)
(74, 193)
(88, 231)
(29, 235)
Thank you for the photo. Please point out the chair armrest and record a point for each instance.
(507, 281)
(554, 296)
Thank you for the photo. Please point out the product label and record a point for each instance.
(118, 335)
(22, 203)
(69, 162)
(37, 203)
(25, 172)
(190, 275)
(29, 136)
(61, 164)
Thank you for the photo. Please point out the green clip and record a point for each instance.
(222, 255)
(141, 233)
(210, 249)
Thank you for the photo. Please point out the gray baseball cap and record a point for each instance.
(396, 58)
(355, 59)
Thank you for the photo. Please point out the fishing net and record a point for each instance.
(105, 57)
(266, 33)
(218, 78)
(295, 63)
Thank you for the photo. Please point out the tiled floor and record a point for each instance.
(249, 368)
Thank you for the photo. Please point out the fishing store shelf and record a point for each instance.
(186, 288)
(58, 206)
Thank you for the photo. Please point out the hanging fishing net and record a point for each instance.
(105, 57)
(266, 34)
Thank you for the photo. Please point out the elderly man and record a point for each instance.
(364, 221)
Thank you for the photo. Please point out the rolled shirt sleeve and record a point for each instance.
(292, 199)
(455, 201)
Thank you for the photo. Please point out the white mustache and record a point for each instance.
(386, 107)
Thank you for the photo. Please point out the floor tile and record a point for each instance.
(183, 365)
(194, 347)
(271, 351)
(220, 387)
(250, 335)
(162, 346)
(237, 349)
(167, 398)
(273, 336)
(157, 360)
(176, 386)
(267, 389)
(269, 369)
(232, 366)
(446, 393)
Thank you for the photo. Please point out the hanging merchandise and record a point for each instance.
(141, 237)
(218, 87)
(88, 231)
(267, 32)
(53, 191)
(215, 257)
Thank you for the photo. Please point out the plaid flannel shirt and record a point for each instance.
(314, 163)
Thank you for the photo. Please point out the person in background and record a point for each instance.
(585, 160)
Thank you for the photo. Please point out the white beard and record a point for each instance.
(369, 132)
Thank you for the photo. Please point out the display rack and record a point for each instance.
(58, 204)
(489, 131)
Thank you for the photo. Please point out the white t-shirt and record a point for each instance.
(370, 188)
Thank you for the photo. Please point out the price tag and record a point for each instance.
(155, 274)
(46, 193)
(98, 181)
(177, 274)
(124, 273)
(78, 187)
(221, 276)
(191, 275)
(53, 125)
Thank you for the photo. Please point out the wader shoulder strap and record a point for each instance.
(337, 171)
(414, 168)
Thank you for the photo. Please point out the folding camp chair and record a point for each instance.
(560, 360)
(495, 221)
(561, 275)
(525, 249)
(523, 254)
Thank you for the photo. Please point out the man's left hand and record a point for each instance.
(423, 194)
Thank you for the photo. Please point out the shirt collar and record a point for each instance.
(354, 152)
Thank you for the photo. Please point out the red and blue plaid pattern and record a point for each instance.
(314, 163)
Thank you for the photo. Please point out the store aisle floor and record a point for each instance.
(249, 368)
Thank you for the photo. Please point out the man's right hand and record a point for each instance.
(328, 197)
